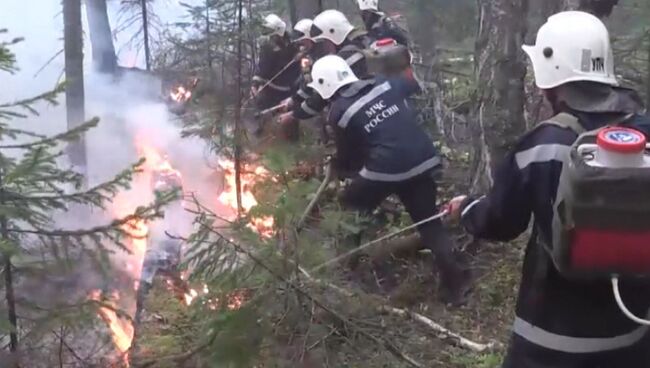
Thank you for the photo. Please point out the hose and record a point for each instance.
(268, 83)
(319, 193)
(376, 241)
(623, 307)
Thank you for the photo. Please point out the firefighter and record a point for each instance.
(561, 322)
(378, 24)
(277, 71)
(381, 142)
(333, 34)
(301, 35)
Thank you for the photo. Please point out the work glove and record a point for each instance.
(455, 208)
(286, 105)
(286, 118)
(254, 91)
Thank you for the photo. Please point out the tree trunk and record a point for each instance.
(74, 75)
(238, 128)
(599, 8)
(208, 40)
(293, 12)
(538, 108)
(101, 37)
(8, 278)
(304, 9)
(145, 31)
(501, 70)
(648, 71)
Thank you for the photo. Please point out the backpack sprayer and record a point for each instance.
(602, 225)
(387, 57)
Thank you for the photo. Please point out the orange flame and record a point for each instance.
(249, 176)
(157, 168)
(189, 297)
(180, 94)
(121, 330)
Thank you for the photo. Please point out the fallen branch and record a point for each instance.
(292, 285)
(456, 338)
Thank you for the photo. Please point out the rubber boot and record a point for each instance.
(456, 283)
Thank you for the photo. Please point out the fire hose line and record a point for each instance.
(269, 82)
(623, 307)
(377, 241)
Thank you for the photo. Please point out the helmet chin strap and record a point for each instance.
(623, 307)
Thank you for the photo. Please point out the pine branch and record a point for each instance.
(14, 133)
(96, 195)
(141, 213)
(292, 285)
(7, 58)
(67, 136)
(27, 103)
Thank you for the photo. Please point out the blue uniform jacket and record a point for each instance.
(378, 133)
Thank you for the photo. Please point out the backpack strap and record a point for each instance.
(567, 121)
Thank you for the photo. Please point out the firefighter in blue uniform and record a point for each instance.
(561, 322)
(380, 140)
(378, 24)
(308, 53)
(332, 33)
(277, 71)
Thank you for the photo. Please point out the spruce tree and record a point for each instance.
(37, 191)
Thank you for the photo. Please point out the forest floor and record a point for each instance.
(168, 326)
(486, 318)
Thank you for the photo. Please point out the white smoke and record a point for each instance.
(131, 111)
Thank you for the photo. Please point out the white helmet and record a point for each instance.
(274, 25)
(331, 25)
(572, 46)
(329, 74)
(302, 30)
(372, 5)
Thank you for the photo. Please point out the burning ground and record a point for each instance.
(108, 294)
(248, 303)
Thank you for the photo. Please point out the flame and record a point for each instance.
(121, 330)
(180, 94)
(249, 176)
(234, 300)
(156, 171)
(189, 297)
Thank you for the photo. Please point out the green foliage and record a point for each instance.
(38, 193)
(7, 58)
(237, 336)
(478, 361)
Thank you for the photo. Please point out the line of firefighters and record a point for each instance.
(562, 320)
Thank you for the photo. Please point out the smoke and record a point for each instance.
(130, 109)
(132, 114)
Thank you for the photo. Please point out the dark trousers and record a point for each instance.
(419, 198)
(522, 354)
